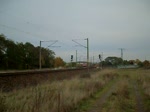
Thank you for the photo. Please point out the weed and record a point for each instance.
(56, 96)
(120, 99)
(87, 75)
(3, 106)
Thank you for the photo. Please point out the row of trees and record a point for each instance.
(14, 55)
(115, 61)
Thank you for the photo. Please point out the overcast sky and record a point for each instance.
(108, 24)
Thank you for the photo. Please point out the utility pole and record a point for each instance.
(53, 42)
(93, 59)
(87, 52)
(102, 61)
(87, 47)
(76, 56)
(122, 52)
(40, 56)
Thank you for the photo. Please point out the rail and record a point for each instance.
(29, 72)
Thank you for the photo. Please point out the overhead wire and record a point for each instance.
(13, 28)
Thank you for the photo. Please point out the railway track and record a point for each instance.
(20, 79)
(37, 71)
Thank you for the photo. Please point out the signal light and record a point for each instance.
(71, 57)
(99, 56)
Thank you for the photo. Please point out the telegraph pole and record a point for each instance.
(76, 56)
(87, 52)
(87, 47)
(40, 56)
(53, 42)
(93, 59)
(102, 61)
(122, 52)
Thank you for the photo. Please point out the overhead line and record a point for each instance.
(79, 44)
(13, 28)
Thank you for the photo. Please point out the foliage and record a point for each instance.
(58, 62)
(146, 64)
(73, 64)
(113, 61)
(23, 56)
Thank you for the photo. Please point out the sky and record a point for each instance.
(108, 24)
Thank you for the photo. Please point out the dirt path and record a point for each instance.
(97, 107)
(135, 89)
(138, 98)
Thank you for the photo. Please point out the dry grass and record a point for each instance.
(121, 99)
(3, 106)
(58, 96)
(143, 80)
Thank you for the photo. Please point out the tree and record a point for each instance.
(140, 64)
(146, 64)
(125, 62)
(2, 51)
(47, 57)
(11, 54)
(59, 62)
(23, 56)
(113, 61)
(137, 61)
(31, 55)
(131, 62)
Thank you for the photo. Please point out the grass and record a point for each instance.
(79, 93)
(121, 99)
(3, 106)
(143, 80)
(124, 98)
(58, 96)
(87, 103)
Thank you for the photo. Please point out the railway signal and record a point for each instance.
(71, 58)
(100, 63)
(100, 57)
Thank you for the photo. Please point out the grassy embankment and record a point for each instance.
(58, 96)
